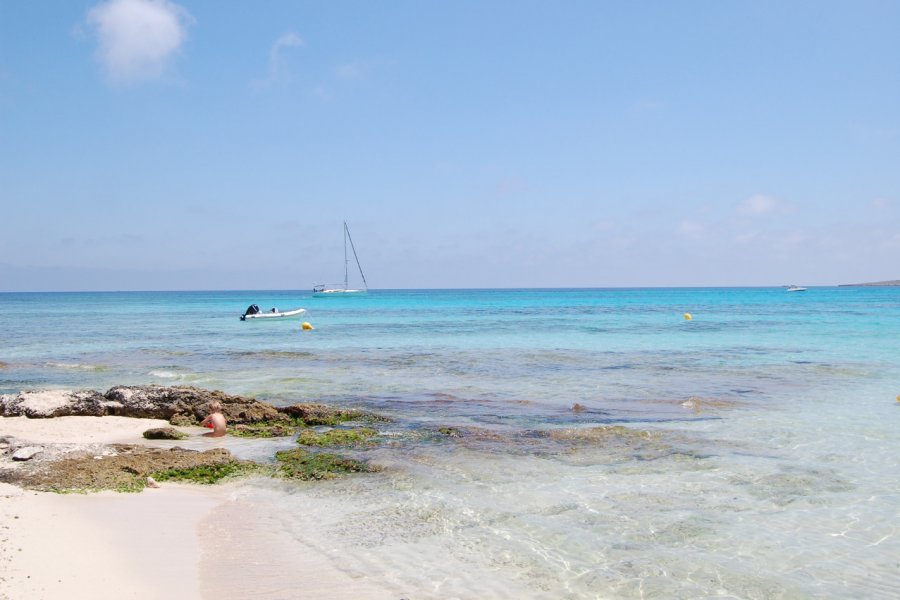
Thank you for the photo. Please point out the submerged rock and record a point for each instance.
(302, 464)
(337, 437)
(321, 414)
(264, 429)
(601, 434)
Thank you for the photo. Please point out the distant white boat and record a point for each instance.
(337, 289)
(253, 312)
(796, 288)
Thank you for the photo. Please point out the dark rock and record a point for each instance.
(184, 404)
(181, 406)
(183, 420)
(164, 433)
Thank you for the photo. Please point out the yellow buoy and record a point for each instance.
(307, 326)
(898, 398)
(687, 316)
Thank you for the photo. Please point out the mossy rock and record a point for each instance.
(164, 433)
(125, 471)
(305, 465)
(207, 474)
(337, 437)
(266, 429)
(450, 431)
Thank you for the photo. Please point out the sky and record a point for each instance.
(194, 144)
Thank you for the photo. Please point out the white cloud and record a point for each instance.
(138, 38)
(758, 204)
(278, 70)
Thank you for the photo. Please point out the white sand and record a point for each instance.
(109, 545)
(79, 430)
(177, 541)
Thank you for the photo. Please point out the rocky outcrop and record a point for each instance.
(44, 404)
(184, 405)
(181, 406)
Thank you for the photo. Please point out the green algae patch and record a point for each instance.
(266, 429)
(302, 464)
(298, 417)
(207, 474)
(337, 437)
(121, 467)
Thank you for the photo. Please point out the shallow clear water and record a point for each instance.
(778, 479)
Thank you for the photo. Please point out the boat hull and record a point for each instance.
(337, 293)
(296, 313)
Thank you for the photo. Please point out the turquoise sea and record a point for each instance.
(760, 455)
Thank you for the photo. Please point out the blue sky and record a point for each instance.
(151, 144)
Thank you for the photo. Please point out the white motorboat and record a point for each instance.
(796, 288)
(253, 312)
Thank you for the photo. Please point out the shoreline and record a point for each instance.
(180, 540)
(83, 546)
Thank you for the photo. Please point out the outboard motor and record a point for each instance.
(251, 310)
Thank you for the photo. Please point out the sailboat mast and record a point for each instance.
(346, 262)
(355, 257)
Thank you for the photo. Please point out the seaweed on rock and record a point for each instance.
(302, 464)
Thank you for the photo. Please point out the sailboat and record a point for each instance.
(337, 289)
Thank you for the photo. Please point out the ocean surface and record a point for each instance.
(750, 452)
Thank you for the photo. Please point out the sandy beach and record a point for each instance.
(176, 541)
